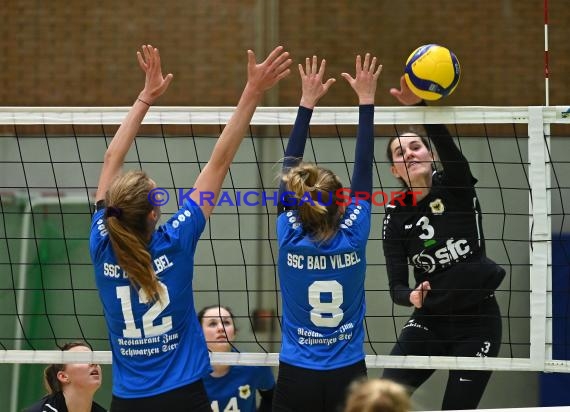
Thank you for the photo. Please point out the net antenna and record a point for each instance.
(546, 63)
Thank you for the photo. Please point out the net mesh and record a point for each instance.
(49, 168)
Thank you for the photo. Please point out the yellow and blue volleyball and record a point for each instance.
(432, 72)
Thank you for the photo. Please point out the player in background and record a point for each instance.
(144, 271)
(455, 310)
(322, 255)
(378, 395)
(71, 387)
(233, 388)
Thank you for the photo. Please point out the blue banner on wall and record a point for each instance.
(554, 387)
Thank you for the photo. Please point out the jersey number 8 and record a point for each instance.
(327, 313)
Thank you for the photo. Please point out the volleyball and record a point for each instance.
(432, 72)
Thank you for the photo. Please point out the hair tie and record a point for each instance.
(113, 211)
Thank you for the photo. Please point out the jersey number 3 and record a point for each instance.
(325, 298)
(149, 317)
(427, 229)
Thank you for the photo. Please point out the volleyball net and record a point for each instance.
(50, 160)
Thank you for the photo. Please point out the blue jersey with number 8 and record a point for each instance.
(156, 346)
(322, 286)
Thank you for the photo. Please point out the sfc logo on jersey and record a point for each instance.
(437, 207)
(244, 391)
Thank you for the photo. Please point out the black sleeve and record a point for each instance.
(266, 403)
(455, 165)
(396, 264)
(364, 152)
(295, 147)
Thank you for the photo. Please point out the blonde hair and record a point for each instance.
(315, 190)
(378, 395)
(129, 229)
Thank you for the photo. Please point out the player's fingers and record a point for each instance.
(348, 77)
(314, 65)
(279, 59)
(274, 54)
(283, 66)
(378, 71)
(283, 74)
(141, 61)
(250, 58)
(358, 64)
(322, 68)
(168, 79)
(366, 65)
(372, 65)
(301, 71)
(329, 83)
(395, 92)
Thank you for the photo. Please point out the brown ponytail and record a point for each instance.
(127, 222)
(315, 190)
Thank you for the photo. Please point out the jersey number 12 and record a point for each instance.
(149, 317)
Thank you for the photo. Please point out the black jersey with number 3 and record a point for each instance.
(441, 237)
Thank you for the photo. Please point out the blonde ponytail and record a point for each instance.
(315, 190)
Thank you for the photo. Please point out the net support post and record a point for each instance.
(540, 235)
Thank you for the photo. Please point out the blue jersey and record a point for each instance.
(235, 391)
(156, 346)
(322, 288)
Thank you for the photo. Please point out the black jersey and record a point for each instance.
(441, 237)
(56, 403)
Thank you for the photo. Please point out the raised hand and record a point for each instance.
(405, 95)
(155, 84)
(312, 82)
(418, 295)
(365, 80)
(263, 76)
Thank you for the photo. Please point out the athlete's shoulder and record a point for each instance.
(189, 212)
(99, 237)
(289, 228)
(182, 229)
(49, 403)
(355, 213)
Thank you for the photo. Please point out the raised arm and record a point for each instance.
(155, 85)
(455, 165)
(313, 89)
(364, 84)
(260, 78)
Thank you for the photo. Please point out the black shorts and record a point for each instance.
(187, 398)
(469, 334)
(300, 389)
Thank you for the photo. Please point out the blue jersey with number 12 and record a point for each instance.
(156, 346)
(322, 286)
